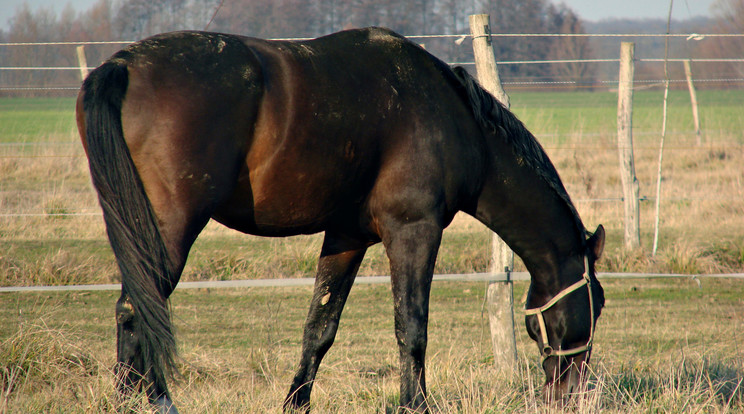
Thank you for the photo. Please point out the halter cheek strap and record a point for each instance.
(548, 350)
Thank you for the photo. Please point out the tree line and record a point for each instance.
(108, 20)
(136, 19)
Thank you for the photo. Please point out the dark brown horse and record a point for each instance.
(362, 135)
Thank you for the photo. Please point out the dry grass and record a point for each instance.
(701, 229)
(655, 352)
(701, 226)
(662, 346)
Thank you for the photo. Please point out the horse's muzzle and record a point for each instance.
(565, 376)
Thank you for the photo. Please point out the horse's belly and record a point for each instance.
(283, 211)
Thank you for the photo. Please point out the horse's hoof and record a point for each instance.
(165, 405)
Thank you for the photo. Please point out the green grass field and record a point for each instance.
(590, 117)
(662, 346)
(37, 120)
(45, 119)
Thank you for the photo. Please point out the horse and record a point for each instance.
(362, 135)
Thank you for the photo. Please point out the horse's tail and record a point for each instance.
(131, 223)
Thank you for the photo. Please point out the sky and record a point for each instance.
(592, 10)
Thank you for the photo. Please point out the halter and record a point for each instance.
(548, 350)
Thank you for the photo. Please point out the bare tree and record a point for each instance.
(135, 19)
(729, 16)
(40, 25)
(564, 20)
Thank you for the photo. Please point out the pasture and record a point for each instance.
(661, 345)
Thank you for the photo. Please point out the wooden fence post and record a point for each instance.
(632, 233)
(82, 62)
(499, 295)
(693, 101)
(485, 61)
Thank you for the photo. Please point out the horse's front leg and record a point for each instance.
(337, 267)
(412, 250)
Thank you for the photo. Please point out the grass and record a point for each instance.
(662, 346)
(563, 115)
(34, 119)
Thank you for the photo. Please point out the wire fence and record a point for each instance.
(359, 280)
(457, 38)
(689, 36)
(15, 151)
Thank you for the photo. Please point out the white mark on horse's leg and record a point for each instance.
(324, 300)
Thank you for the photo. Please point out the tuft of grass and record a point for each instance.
(221, 267)
(299, 259)
(58, 267)
(622, 261)
(37, 355)
(686, 258)
(729, 253)
(57, 210)
(699, 385)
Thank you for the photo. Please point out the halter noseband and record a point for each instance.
(548, 350)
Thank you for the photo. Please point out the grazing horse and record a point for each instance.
(362, 135)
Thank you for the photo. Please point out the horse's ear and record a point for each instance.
(597, 241)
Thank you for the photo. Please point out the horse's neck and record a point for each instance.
(545, 245)
(529, 215)
(522, 198)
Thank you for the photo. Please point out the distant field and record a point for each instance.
(587, 114)
(564, 113)
(37, 120)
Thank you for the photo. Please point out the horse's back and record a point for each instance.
(278, 138)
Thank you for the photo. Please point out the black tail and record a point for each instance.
(130, 221)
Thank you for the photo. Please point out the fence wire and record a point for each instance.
(360, 280)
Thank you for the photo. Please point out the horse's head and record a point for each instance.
(562, 321)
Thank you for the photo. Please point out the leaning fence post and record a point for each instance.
(693, 101)
(82, 62)
(499, 295)
(632, 233)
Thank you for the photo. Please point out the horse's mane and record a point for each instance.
(495, 118)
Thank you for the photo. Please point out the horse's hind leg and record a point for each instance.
(337, 267)
(142, 314)
(130, 363)
(412, 250)
(127, 346)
